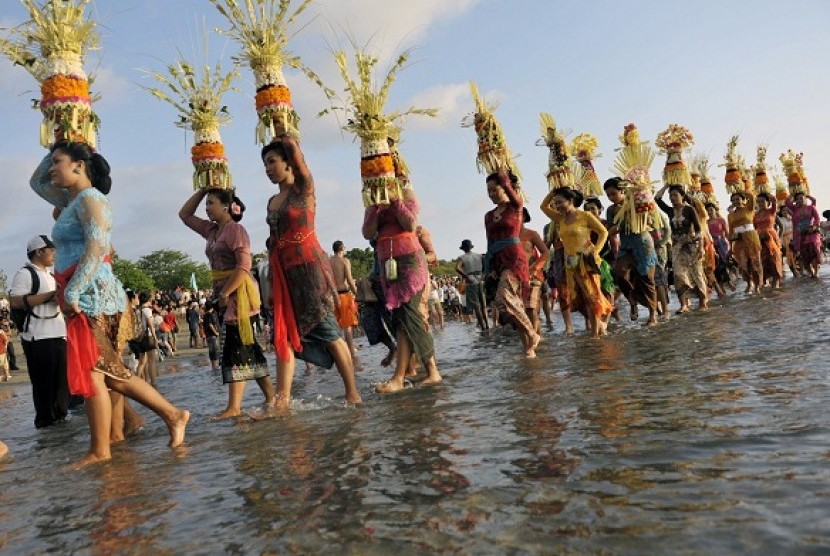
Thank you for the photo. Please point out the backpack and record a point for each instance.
(142, 340)
(21, 317)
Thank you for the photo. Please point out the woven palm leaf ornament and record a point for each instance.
(733, 176)
(694, 173)
(583, 148)
(262, 29)
(398, 161)
(493, 153)
(364, 105)
(761, 181)
(52, 46)
(560, 171)
(632, 165)
(746, 175)
(197, 97)
(672, 141)
(703, 168)
(782, 193)
(793, 164)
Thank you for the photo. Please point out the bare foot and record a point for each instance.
(177, 429)
(3, 450)
(282, 403)
(116, 439)
(389, 387)
(652, 321)
(269, 411)
(354, 399)
(227, 414)
(430, 380)
(89, 459)
(535, 342)
(530, 354)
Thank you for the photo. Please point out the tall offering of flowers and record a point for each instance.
(794, 170)
(761, 182)
(672, 141)
(560, 173)
(261, 27)
(733, 176)
(382, 170)
(632, 165)
(52, 46)
(493, 153)
(583, 148)
(198, 99)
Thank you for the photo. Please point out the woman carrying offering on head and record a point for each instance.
(506, 260)
(687, 246)
(303, 291)
(583, 280)
(406, 289)
(235, 293)
(806, 232)
(764, 221)
(75, 179)
(746, 245)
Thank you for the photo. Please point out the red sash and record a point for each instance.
(285, 325)
(81, 348)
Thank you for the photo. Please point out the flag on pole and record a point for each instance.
(193, 285)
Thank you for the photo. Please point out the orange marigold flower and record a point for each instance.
(207, 150)
(278, 94)
(377, 166)
(63, 86)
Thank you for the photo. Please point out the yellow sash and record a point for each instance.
(247, 301)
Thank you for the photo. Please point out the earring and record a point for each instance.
(225, 209)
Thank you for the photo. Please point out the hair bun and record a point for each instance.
(101, 179)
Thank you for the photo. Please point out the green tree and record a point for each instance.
(132, 276)
(362, 261)
(444, 268)
(169, 268)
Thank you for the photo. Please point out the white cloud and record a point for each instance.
(110, 85)
(390, 25)
(452, 101)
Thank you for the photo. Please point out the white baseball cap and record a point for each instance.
(38, 242)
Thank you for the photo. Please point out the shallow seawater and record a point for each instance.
(708, 434)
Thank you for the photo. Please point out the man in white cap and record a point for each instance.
(43, 333)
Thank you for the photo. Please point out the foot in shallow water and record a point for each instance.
(89, 459)
(431, 380)
(389, 387)
(177, 429)
(227, 414)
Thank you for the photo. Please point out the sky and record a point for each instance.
(755, 68)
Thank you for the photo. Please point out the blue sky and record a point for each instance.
(754, 68)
